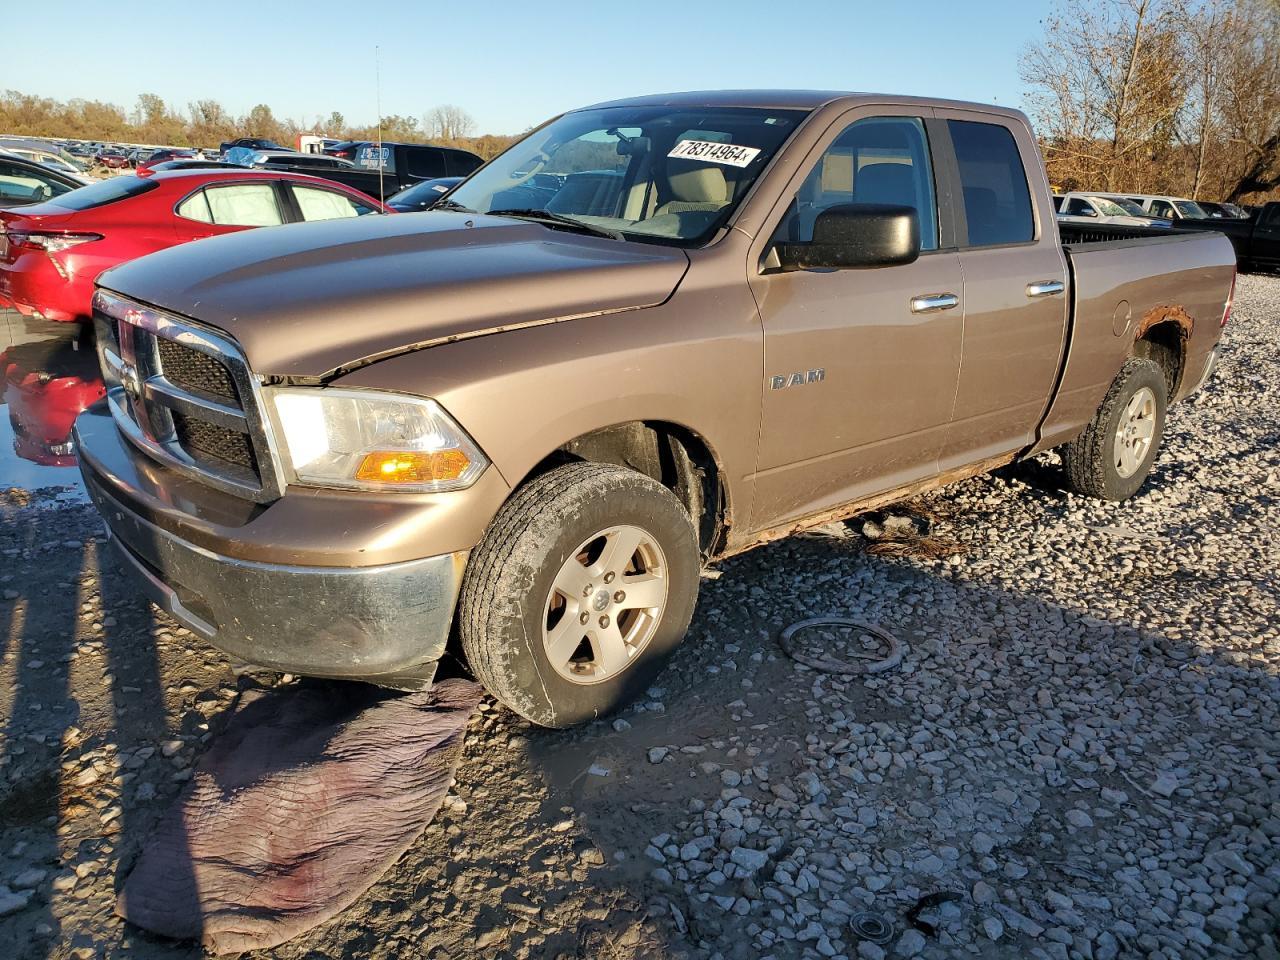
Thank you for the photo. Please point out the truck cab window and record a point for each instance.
(875, 160)
(997, 203)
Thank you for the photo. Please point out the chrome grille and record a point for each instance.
(184, 394)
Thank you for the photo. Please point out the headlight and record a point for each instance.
(367, 440)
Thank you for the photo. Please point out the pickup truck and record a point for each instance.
(382, 170)
(1256, 240)
(521, 432)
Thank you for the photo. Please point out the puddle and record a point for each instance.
(45, 381)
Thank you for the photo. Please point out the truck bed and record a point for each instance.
(1124, 281)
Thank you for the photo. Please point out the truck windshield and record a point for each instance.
(1127, 208)
(1191, 210)
(659, 174)
(1112, 208)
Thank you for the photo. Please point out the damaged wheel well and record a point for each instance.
(1162, 338)
(673, 455)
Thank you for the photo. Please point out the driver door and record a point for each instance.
(861, 365)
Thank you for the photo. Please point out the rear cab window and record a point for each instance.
(995, 196)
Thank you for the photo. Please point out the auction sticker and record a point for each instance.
(729, 154)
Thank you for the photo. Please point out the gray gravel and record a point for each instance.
(1081, 741)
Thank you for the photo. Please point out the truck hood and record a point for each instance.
(310, 299)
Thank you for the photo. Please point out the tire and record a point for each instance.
(1097, 464)
(563, 533)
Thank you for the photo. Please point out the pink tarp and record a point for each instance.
(306, 798)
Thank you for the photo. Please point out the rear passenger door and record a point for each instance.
(1015, 303)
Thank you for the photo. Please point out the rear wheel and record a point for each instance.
(582, 587)
(1112, 457)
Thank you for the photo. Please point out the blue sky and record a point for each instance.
(510, 65)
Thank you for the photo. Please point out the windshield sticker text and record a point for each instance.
(729, 154)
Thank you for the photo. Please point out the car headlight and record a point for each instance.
(366, 440)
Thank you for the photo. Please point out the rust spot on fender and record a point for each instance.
(1165, 313)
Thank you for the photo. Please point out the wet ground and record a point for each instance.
(1080, 743)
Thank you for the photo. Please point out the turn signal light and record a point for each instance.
(412, 466)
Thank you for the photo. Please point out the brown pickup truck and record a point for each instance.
(651, 334)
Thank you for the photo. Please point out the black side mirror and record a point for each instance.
(849, 236)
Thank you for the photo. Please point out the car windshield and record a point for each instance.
(1190, 209)
(660, 174)
(103, 192)
(1112, 208)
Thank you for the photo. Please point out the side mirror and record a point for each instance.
(850, 236)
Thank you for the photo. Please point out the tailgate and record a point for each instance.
(1120, 289)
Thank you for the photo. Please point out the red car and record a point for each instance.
(112, 159)
(51, 253)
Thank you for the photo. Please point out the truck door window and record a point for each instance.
(997, 202)
(875, 160)
(1161, 209)
(1078, 207)
(244, 205)
(424, 163)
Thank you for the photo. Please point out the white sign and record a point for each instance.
(729, 154)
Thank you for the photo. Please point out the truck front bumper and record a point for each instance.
(385, 624)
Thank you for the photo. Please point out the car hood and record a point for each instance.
(311, 299)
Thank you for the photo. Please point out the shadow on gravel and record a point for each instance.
(1025, 745)
(34, 796)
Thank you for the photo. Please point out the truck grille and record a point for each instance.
(184, 394)
(196, 371)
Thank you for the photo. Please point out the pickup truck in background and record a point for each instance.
(384, 170)
(1256, 240)
(652, 334)
(1087, 208)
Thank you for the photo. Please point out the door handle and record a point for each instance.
(933, 302)
(1045, 288)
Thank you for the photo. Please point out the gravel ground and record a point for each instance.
(1081, 742)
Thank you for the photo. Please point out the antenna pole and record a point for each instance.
(377, 74)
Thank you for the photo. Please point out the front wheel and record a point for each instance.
(1112, 457)
(582, 587)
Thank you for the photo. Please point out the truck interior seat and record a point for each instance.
(694, 187)
(982, 213)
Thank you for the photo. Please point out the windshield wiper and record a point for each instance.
(547, 218)
(447, 204)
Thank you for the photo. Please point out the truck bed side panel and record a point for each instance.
(1120, 289)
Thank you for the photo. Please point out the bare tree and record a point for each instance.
(448, 122)
(1106, 87)
(1251, 100)
(1208, 29)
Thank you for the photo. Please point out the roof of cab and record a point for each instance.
(791, 100)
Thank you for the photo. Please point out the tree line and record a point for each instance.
(207, 123)
(1176, 97)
